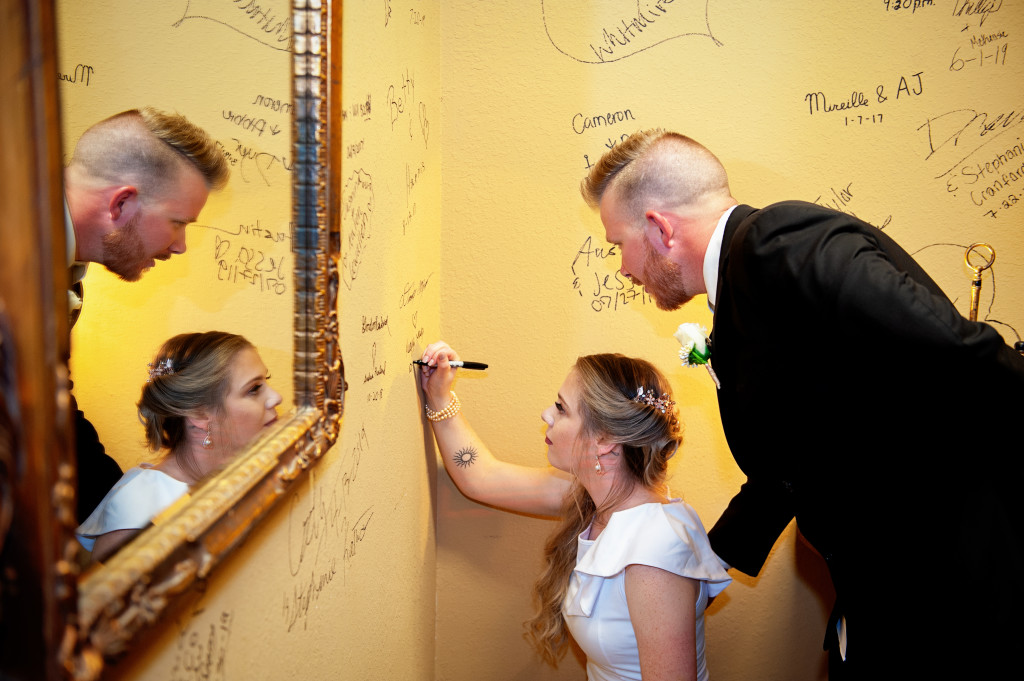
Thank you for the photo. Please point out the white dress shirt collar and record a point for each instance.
(70, 240)
(713, 256)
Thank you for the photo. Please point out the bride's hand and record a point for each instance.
(437, 378)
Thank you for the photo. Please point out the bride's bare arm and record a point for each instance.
(469, 462)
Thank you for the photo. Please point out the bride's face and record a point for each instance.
(564, 425)
(250, 404)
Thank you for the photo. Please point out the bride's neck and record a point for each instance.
(172, 464)
(637, 496)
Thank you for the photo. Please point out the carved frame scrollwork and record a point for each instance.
(131, 591)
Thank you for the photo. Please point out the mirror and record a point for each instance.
(237, 274)
(262, 262)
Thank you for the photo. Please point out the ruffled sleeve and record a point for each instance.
(666, 536)
(141, 493)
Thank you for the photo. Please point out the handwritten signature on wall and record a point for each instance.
(201, 649)
(979, 155)
(245, 256)
(401, 105)
(357, 217)
(604, 290)
(615, 29)
(82, 75)
(243, 155)
(324, 534)
(259, 20)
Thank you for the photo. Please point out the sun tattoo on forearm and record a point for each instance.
(465, 457)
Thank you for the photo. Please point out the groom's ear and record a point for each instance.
(663, 225)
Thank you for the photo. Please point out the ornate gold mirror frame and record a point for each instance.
(52, 625)
(132, 590)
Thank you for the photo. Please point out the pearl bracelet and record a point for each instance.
(451, 410)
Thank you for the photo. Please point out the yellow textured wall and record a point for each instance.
(469, 116)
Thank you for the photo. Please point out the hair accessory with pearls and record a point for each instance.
(651, 398)
(164, 367)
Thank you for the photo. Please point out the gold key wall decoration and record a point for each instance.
(979, 250)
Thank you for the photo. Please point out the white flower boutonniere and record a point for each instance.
(696, 348)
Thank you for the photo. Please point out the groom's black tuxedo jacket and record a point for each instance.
(859, 401)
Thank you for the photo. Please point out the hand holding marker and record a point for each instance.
(459, 363)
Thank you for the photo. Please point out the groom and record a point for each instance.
(136, 180)
(849, 389)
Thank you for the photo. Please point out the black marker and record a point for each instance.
(458, 363)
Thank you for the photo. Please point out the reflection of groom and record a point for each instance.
(854, 397)
(135, 181)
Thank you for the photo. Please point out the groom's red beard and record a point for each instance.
(124, 253)
(663, 280)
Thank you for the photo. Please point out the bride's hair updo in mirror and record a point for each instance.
(190, 373)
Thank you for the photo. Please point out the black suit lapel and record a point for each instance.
(739, 214)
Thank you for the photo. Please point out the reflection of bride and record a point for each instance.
(207, 396)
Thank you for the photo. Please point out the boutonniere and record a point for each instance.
(696, 348)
